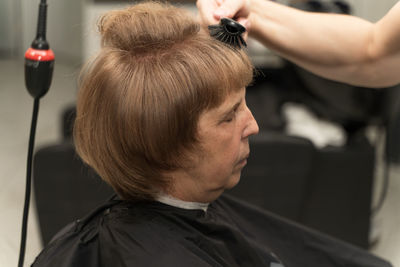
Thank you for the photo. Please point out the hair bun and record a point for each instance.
(146, 26)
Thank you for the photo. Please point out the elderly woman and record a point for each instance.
(162, 118)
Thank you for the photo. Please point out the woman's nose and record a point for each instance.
(251, 125)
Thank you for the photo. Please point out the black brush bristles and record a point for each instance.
(229, 32)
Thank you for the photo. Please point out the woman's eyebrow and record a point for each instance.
(233, 108)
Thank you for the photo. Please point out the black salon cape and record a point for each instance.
(231, 233)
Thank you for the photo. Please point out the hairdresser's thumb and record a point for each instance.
(247, 25)
(245, 22)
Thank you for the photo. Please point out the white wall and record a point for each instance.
(10, 27)
(372, 10)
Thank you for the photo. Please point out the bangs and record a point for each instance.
(219, 71)
(202, 72)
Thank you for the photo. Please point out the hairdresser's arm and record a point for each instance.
(339, 47)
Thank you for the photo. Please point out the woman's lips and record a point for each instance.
(243, 162)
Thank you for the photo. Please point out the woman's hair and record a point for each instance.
(141, 97)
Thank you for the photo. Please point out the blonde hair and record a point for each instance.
(141, 97)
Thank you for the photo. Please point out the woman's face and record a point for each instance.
(223, 135)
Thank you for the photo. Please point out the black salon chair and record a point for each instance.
(65, 189)
(326, 189)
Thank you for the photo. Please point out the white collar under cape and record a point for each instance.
(169, 200)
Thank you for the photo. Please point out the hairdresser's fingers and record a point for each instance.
(246, 23)
(206, 10)
(233, 9)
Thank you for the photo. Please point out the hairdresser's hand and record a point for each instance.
(211, 11)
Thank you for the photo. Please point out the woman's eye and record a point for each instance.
(231, 117)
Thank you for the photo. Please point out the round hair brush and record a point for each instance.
(229, 32)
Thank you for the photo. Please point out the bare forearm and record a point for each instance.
(338, 47)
